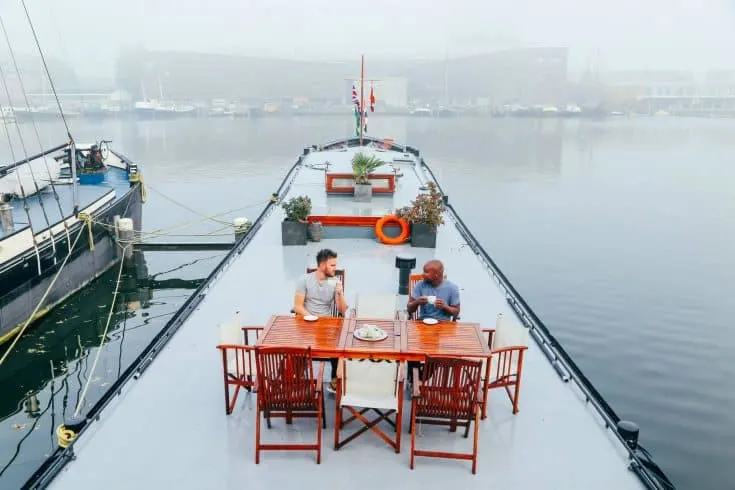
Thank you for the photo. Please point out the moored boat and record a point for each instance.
(536, 420)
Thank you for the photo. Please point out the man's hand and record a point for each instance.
(423, 300)
(439, 303)
(338, 290)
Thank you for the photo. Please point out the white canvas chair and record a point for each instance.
(508, 342)
(236, 343)
(372, 386)
(376, 306)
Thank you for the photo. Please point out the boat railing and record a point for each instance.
(641, 461)
(61, 456)
(5, 168)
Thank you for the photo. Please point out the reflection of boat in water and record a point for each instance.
(57, 354)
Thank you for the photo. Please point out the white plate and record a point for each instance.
(311, 318)
(431, 321)
(360, 334)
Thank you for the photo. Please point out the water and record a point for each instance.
(618, 233)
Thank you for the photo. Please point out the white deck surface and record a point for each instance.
(169, 428)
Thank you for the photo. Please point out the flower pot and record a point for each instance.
(422, 236)
(293, 233)
(315, 230)
(363, 192)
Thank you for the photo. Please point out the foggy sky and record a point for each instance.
(628, 34)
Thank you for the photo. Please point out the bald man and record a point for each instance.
(434, 296)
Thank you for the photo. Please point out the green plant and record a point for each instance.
(297, 208)
(363, 165)
(427, 208)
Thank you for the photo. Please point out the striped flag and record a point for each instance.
(355, 100)
(372, 99)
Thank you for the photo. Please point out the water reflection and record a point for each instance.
(44, 376)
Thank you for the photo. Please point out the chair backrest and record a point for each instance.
(340, 274)
(509, 333)
(285, 378)
(369, 378)
(377, 306)
(230, 331)
(449, 388)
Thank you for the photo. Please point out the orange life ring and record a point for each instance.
(391, 218)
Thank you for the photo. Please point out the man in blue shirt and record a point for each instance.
(434, 296)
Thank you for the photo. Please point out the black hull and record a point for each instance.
(22, 287)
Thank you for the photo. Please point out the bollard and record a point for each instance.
(241, 225)
(6, 217)
(126, 236)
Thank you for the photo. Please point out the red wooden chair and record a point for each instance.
(448, 394)
(371, 385)
(287, 388)
(238, 360)
(508, 342)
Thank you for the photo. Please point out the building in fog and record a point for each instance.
(522, 76)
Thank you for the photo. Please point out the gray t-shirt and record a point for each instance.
(447, 291)
(319, 295)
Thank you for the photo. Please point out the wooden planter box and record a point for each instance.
(345, 183)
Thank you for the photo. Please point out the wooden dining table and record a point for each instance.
(407, 340)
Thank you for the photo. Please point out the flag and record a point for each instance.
(357, 122)
(355, 100)
(372, 99)
(365, 122)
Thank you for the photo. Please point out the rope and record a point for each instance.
(45, 67)
(80, 399)
(35, 128)
(25, 153)
(188, 208)
(43, 298)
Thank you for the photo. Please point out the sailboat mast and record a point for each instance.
(362, 96)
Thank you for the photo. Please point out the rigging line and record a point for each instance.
(28, 162)
(22, 193)
(35, 127)
(48, 73)
(80, 399)
(82, 228)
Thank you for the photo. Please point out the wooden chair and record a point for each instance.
(287, 388)
(508, 342)
(374, 386)
(413, 279)
(448, 394)
(238, 359)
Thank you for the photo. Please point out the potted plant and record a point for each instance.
(362, 166)
(425, 215)
(294, 226)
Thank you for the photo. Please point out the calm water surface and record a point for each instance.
(618, 233)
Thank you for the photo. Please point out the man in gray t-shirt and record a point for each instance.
(318, 293)
(434, 296)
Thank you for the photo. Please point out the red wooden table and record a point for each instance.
(388, 348)
(322, 335)
(462, 339)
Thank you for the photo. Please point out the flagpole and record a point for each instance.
(362, 97)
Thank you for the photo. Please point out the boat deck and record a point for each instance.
(168, 429)
(115, 180)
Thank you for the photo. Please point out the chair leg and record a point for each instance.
(413, 430)
(474, 444)
(399, 419)
(337, 424)
(257, 436)
(319, 432)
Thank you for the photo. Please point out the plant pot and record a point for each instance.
(315, 230)
(293, 233)
(363, 192)
(422, 236)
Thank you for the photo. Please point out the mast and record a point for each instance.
(362, 96)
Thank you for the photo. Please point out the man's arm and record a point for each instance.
(298, 301)
(339, 298)
(415, 299)
(452, 306)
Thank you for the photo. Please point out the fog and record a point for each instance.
(624, 34)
